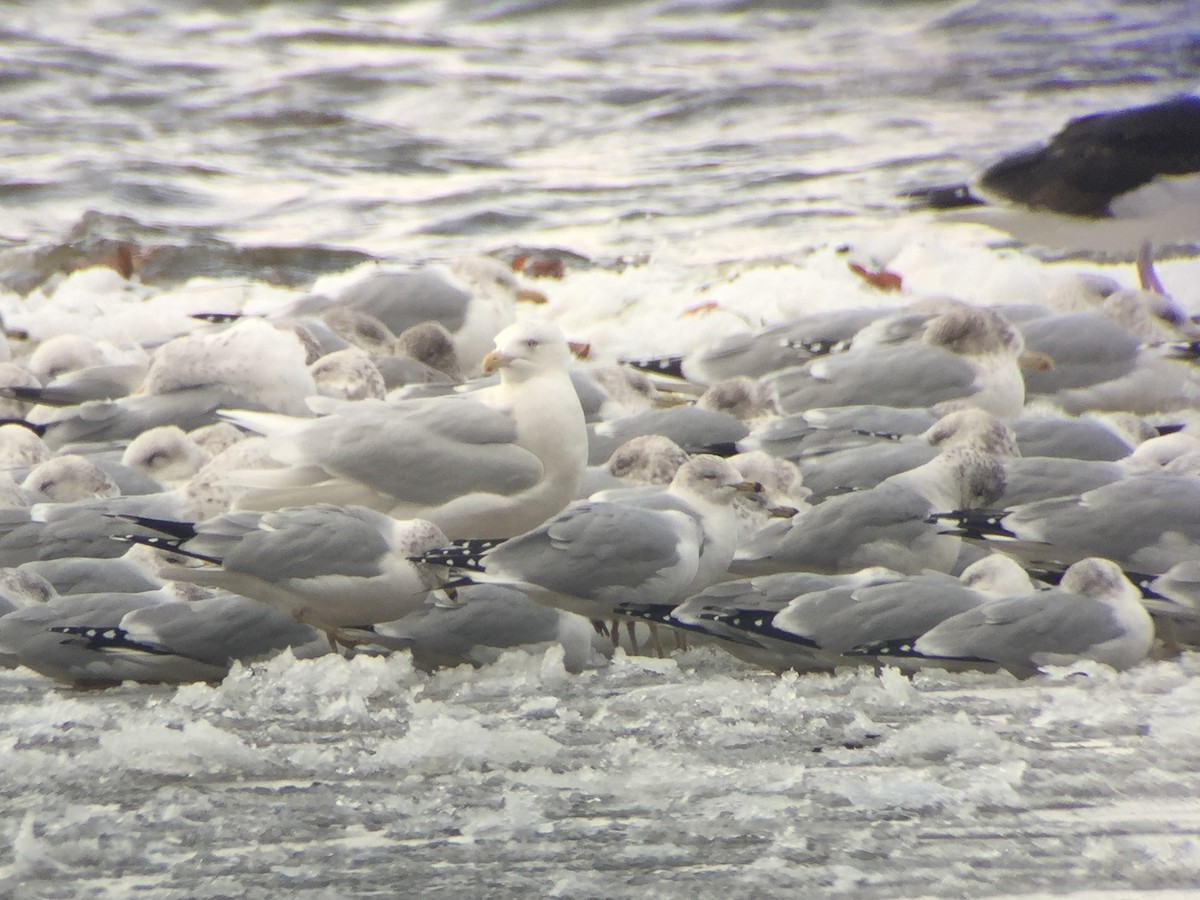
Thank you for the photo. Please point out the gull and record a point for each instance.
(97, 640)
(1109, 182)
(473, 297)
(965, 354)
(491, 463)
(327, 566)
(251, 363)
(480, 623)
(1146, 522)
(811, 622)
(1095, 613)
(887, 525)
(654, 548)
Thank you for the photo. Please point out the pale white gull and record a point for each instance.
(490, 463)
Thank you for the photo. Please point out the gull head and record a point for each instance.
(711, 479)
(527, 349)
(970, 331)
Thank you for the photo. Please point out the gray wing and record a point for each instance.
(901, 609)
(309, 542)
(857, 468)
(789, 344)
(26, 638)
(426, 452)
(882, 527)
(403, 299)
(590, 549)
(486, 615)
(1087, 348)
(1013, 630)
(1145, 523)
(907, 375)
(90, 576)
(125, 419)
(218, 630)
(1069, 437)
(1029, 479)
(691, 427)
(818, 431)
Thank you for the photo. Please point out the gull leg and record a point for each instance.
(1147, 277)
(631, 630)
(658, 647)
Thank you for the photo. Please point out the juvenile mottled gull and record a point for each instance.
(473, 297)
(491, 463)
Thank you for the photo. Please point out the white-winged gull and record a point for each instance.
(490, 463)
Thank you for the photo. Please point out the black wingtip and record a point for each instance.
(974, 523)
(942, 196)
(215, 318)
(110, 638)
(465, 554)
(671, 366)
(182, 531)
(166, 544)
(39, 430)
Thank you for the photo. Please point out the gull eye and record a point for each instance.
(532, 343)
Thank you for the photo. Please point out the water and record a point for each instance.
(689, 152)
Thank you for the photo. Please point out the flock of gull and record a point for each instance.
(424, 463)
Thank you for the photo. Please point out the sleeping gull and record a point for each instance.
(965, 354)
(167, 454)
(1145, 522)
(480, 623)
(473, 297)
(327, 566)
(804, 621)
(887, 525)
(251, 363)
(1095, 613)
(95, 640)
(490, 463)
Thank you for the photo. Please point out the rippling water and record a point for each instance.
(414, 129)
(280, 141)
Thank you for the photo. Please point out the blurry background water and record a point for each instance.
(423, 128)
(279, 141)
